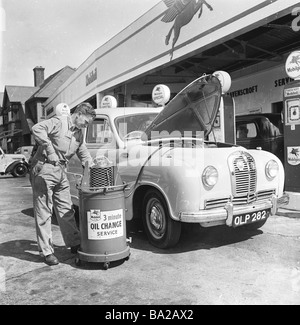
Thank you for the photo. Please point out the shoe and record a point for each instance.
(74, 249)
(51, 260)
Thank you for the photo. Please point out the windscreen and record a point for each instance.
(127, 125)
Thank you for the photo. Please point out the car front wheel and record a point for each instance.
(20, 170)
(162, 231)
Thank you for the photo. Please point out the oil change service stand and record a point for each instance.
(102, 217)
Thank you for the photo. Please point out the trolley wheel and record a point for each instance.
(106, 265)
(77, 261)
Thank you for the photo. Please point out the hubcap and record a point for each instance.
(20, 170)
(156, 220)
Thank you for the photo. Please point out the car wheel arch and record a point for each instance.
(139, 195)
(12, 168)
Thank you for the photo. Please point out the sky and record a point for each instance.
(56, 33)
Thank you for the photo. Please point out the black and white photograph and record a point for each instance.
(149, 155)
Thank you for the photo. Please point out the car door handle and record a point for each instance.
(125, 155)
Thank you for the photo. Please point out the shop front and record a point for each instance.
(174, 46)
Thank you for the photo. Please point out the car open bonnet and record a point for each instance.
(194, 109)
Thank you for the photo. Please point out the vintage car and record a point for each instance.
(14, 164)
(261, 131)
(25, 150)
(174, 175)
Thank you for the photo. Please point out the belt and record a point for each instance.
(60, 162)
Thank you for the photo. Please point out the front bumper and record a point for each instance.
(227, 213)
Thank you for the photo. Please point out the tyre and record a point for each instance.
(162, 231)
(20, 170)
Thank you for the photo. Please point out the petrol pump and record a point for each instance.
(292, 136)
(291, 116)
(224, 127)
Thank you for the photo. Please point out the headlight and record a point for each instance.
(210, 177)
(272, 169)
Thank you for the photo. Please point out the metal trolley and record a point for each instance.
(102, 217)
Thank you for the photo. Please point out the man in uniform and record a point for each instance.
(58, 139)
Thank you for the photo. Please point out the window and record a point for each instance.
(99, 132)
(131, 123)
(16, 115)
(246, 130)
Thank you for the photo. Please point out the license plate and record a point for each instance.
(246, 218)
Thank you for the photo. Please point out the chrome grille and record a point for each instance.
(245, 199)
(243, 174)
(240, 200)
(219, 203)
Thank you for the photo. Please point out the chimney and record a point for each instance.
(38, 76)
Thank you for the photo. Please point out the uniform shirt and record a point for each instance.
(58, 135)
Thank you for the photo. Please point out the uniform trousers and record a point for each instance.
(51, 192)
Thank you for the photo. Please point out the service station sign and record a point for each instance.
(105, 224)
(292, 65)
(293, 155)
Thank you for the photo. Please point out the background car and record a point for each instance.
(261, 130)
(25, 150)
(14, 164)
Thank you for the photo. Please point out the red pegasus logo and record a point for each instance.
(181, 12)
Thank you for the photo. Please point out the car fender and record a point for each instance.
(178, 182)
(13, 164)
(261, 159)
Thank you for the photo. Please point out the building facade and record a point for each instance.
(23, 107)
(34, 106)
(175, 45)
(14, 130)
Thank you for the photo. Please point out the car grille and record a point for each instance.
(243, 182)
(241, 200)
(243, 174)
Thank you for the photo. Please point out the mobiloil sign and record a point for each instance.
(291, 99)
(108, 102)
